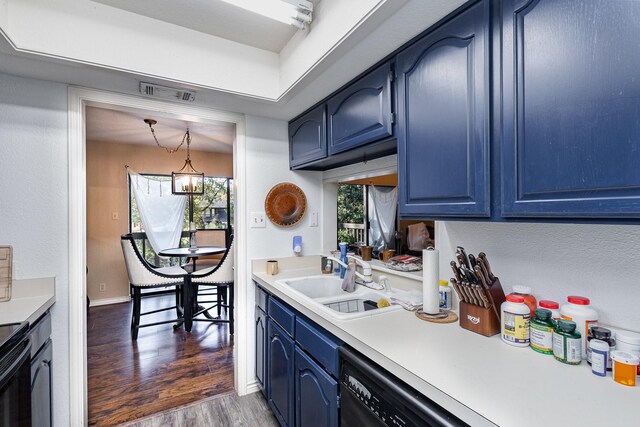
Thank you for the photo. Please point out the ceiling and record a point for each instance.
(213, 17)
(104, 125)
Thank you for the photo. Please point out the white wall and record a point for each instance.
(267, 164)
(556, 260)
(34, 199)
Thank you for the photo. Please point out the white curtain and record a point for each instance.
(161, 213)
(383, 202)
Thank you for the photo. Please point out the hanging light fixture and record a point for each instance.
(186, 181)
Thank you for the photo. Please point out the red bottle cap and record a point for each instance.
(515, 298)
(573, 299)
(549, 304)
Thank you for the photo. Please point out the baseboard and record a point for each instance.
(252, 387)
(107, 301)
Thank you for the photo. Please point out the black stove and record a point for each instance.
(11, 334)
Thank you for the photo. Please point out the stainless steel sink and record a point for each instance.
(326, 293)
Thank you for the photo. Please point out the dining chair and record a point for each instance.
(216, 281)
(142, 275)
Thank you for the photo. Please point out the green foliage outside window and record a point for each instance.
(350, 210)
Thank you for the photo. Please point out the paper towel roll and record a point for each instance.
(430, 281)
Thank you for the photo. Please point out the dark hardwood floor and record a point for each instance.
(163, 369)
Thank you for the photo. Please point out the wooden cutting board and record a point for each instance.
(6, 256)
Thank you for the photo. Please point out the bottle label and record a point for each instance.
(599, 362)
(567, 349)
(445, 299)
(542, 338)
(515, 327)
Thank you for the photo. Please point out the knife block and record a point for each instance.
(478, 319)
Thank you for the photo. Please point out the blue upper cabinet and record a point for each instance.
(308, 138)
(443, 120)
(571, 109)
(361, 113)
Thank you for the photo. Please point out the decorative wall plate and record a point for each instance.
(285, 204)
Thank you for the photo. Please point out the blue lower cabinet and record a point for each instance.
(316, 394)
(261, 349)
(280, 373)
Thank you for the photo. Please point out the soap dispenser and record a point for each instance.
(343, 258)
(297, 245)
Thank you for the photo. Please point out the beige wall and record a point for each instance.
(107, 193)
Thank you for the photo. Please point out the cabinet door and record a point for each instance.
(261, 349)
(571, 102)
(316, 394)
(443, 120)
(41, 387)
(280, 374)
(361, 113)
(308, 138)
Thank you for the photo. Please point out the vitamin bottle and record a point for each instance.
(445, 295)
(529, 300)
(629, 342)
(551, 305)
(603, 334)
(567, 343)
(542, 331)
(599, 351)
(624, 367)
(579, 311)
(514, 321)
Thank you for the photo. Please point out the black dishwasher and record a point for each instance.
(370, 396)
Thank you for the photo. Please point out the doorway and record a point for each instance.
(79, 100)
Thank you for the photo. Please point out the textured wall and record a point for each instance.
(108, 192)
(34, 200)
(556, 260)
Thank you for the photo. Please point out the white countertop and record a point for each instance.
(30, 299)
(481, 380)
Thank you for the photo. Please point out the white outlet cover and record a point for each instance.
(257, 220)
(313, 219)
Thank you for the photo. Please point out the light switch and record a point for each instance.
(313, 219)
(257, 220)
(115, 216)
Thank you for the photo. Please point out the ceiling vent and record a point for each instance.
(165, 92)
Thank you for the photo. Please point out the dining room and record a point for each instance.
(181, 352)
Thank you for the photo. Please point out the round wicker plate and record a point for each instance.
(285, 204)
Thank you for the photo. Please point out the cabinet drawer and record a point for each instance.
(282, 315)
(322, 346)
(261, 298)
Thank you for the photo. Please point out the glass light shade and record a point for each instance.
(187, 180)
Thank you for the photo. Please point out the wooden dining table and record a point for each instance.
(189, 294)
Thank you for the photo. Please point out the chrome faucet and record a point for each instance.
(365, 276)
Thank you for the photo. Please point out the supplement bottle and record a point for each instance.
(579, 311)
(599, 351)
(542, 331)
(629, 342)
(567, 343)
(624, 367)
(514, 321)
(529, 300)
(603, 334)
(551, 305)
(445, 295)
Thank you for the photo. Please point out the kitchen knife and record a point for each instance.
(464, 260)
(472, 261)
(463, 291)
(472, 298)
(456, 272)
(488, 266)
(483, 295)
(467, 275)
(454, 284)
(480, 275)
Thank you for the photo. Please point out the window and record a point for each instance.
(352, 221)
(212, 210)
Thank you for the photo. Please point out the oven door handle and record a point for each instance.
(16, 358)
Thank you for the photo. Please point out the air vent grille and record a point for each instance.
(164, 92)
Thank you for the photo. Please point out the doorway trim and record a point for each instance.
(78, 99)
